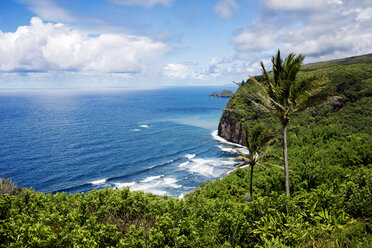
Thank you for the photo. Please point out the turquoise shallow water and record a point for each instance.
(160, 140)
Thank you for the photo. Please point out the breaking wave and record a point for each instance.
(98, 182)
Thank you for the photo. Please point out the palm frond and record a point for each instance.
(264, 72)
(267, 101)
(240, 152)
(293, 66)
(257, 99)
(277, 68)
(264, 167)
(260, 85)
(257, 138)
(284, 94)
(240, 165)
(317, 101)
(276, 166)
(301, 86)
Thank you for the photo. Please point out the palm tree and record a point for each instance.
(256, 142)
(283, 94)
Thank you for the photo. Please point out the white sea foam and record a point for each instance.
(230, 149)
(149, 188)
(149, 179)
(227, 149)
(204, 170)
(100, 181)
(202, 166)
(209, 167)
(184, 164)
(156, 192)
(190, 156)
(245, 166)
(171, 182)
(135, 130)
(233, 150)
(141, 186)
(123, 185)
(145, 126)
(155, 184)
(222, 140)
(244, 150)
(233, 169)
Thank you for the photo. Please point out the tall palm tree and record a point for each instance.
(256, 142)
(283, 94)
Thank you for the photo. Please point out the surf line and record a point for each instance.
(224, 141)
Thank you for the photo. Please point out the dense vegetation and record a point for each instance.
(284, 94)
(330, 206)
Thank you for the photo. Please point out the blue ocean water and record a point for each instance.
(161, 141)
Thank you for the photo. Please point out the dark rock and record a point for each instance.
(224, 94)
(230, 130)
(215, 94)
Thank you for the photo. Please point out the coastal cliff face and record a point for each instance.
(348, 77)
(230, 129)
(238, 111)
(232, 118)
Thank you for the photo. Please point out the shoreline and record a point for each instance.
(190, 157)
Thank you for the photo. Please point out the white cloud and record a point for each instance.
(144, 3)
(55, 47)
(225, 9)
(178, 71)
(184, 71)
(250, 40)
(48, 10)
(364, 14)
(294, 5)
(345, 33)
(215, 72)
(335, 30)
(214, 67)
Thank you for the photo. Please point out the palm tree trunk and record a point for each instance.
(251, 186)
(285, 155)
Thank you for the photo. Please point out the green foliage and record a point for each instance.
(285, 93)
(330, 155)
(334, 212)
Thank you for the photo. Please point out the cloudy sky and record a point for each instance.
(146, 43)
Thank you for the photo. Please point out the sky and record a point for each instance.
(155, 43)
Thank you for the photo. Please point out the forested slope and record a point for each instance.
(349, 77)
(330, 205)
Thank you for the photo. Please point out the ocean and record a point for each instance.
(162, 141)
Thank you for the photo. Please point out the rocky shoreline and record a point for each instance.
(230, 130)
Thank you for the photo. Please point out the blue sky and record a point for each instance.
(147, 43)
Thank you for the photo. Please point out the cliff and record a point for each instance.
(230, 129)
(349, 77)
(330, 163)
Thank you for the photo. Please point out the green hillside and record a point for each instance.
(346, 61)
(331, 183)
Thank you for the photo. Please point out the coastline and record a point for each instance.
(145, 184)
